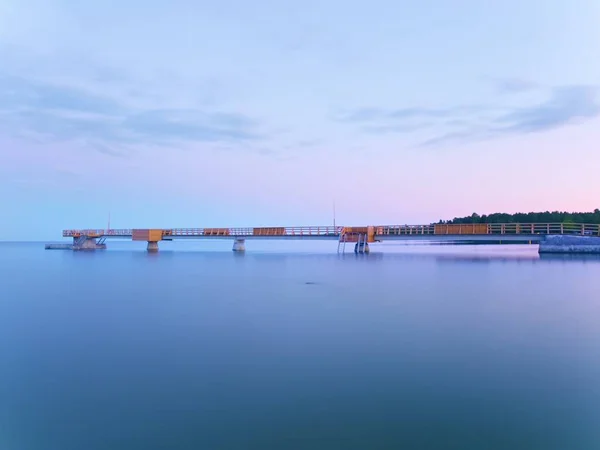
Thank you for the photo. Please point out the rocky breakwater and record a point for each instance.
(570, 244)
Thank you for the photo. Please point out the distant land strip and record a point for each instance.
(530, 217)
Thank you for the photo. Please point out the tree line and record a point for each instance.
(530, 217)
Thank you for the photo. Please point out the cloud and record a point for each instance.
(564, 106)
(66, 173)
(19, 93)
(306, 143)
(64, 113)
(191, 125)
(387, 129)
(449, 138)
(374, 114)
(52, 176)
(108, 149)
(567, 105)
(515, 85)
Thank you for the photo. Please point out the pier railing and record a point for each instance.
(258, 231)
(385, 230)
(124, 232)
(492, 228)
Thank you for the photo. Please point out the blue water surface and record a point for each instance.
(409, 347)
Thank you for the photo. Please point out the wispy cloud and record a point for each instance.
(109, 149)
(51, 177)
(454, 137)
(565, 105)
(20, 93)
(514, 85)
(190, 125)
(65, 113)
(66, 173)
(389, 129)
(375, 114)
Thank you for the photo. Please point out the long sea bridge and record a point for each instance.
(360, 236)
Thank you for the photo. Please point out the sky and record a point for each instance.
(266, 113)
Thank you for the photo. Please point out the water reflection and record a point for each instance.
(582, 257)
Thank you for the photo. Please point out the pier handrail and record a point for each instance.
(492, 228)
(379, 230)
(259, 231)
(98, 232)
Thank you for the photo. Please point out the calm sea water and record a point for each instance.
(199, 348)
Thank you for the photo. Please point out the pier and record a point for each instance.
(583, 238)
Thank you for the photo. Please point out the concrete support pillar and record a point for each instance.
(239, 245)
(152, 246)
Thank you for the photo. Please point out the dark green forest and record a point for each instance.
(531, 217)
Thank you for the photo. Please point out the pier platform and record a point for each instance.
(551, 237)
